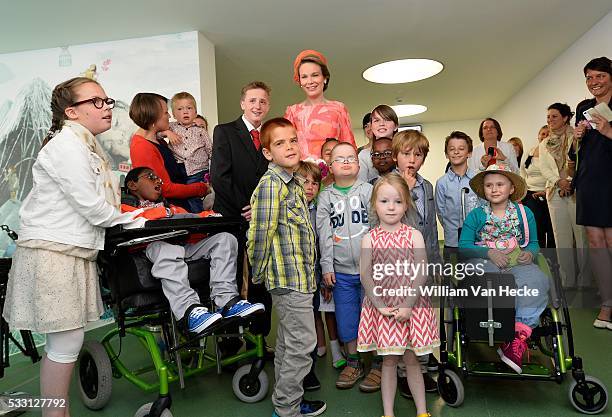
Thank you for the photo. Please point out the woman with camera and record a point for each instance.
(492, 149)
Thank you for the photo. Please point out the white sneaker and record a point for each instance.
(602, 324)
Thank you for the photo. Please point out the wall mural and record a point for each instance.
(162, 64)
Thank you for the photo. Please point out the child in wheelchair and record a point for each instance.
(499, 233)
(143, 190)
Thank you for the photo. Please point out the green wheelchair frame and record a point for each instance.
(152, 324)
(99, 363)
(554, 339)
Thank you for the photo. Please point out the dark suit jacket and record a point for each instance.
(236, 167)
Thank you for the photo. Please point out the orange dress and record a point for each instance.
(316, 123)
(386, 335)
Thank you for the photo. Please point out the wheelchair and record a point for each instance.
(27, 345)
(141, 311)
(488, 320)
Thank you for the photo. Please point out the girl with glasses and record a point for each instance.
(53, 284)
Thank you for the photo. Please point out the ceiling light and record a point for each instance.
(403, 110)
(402, 71)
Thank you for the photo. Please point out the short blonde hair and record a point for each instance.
(339, 144)
(183, 95)
(412, 139)
(255, 85)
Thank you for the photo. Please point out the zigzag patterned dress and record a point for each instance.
(386, 335)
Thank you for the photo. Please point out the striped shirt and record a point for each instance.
(281, 241)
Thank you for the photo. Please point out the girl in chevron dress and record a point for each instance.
(396, 321)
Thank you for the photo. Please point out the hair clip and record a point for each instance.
(52, 132)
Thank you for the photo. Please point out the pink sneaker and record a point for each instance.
(512, 353)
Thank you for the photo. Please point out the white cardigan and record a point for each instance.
(474, 161)
(66, 203)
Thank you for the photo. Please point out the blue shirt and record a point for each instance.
(448, 203)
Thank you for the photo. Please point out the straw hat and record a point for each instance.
(520, 187)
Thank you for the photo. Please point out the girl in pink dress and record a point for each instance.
(396, 320)
(317, 118)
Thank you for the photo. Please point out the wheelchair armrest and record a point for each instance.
(152, 238)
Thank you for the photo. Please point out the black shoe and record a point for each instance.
(430, 384)
(403, 388)
(402, 385)
(312, 408)
(268, 352)
(432, 364)
(311, 382)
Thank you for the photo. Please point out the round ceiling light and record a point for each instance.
(402, 71)
(403, 110)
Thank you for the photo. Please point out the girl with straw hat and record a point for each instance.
(503, 234)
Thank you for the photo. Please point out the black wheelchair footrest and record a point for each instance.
(213, 330)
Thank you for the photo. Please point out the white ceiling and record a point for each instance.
(489, 48)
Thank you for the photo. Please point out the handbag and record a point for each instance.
(511, 246)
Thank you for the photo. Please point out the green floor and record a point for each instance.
(211, 394)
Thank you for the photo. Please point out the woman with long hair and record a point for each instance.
(53, 283)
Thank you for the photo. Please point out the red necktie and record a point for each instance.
(255, 136)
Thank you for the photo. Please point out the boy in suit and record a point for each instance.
(237, 164)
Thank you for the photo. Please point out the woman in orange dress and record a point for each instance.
(317, 118)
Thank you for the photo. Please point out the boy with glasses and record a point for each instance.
(143, 191)
(382, 157)
(342, 221)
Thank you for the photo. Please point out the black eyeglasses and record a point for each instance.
(98, 102)
(381, 155)
(150, 176)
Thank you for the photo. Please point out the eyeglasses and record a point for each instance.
(381, 155)
(150, 176)
(348, 160)
(98, 102)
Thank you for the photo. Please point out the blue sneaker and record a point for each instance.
(309, 408)
(242, 308)
(200, 319)
(312, 408)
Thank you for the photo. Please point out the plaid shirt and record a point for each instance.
(281, 240)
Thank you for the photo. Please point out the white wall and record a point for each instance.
(208, 80)
(562, 80)
(164, 64)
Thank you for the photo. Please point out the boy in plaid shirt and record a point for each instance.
(281, 250)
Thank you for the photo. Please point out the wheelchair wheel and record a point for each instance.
(94, 375)
(590, 397)
(450, 388)
(247, 390)
(144, 411)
